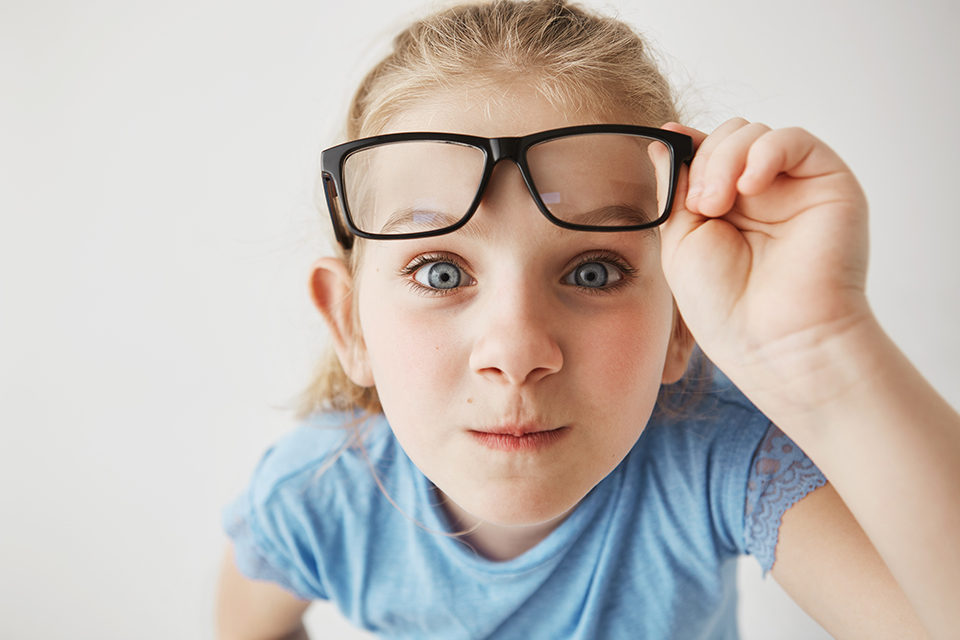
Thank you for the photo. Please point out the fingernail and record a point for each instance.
(708, 191)
(694, 192)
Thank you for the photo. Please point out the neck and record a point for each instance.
(494, 541)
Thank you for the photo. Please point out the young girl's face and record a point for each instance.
(489, 329)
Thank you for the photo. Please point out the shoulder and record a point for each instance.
(314, 456)
(313, 480)
(701, 459)
(309, 493)
(717, 420)
(319, 440)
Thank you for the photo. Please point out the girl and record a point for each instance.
(516, 437)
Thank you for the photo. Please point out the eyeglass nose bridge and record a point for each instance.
(502, 148)
(508, 148)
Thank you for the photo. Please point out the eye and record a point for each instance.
(440, 275)
(593, 275)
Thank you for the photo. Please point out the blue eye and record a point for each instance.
(439, 275)
(593, 275)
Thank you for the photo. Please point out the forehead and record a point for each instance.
(491, 110)
(500, 110)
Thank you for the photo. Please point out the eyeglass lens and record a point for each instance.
(599, 179)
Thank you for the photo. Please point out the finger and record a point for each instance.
(793, 151)
(680, 226)
(702, 158)
(660, 157)
(693, 247)
(724, 168)
(697, 135)
(680, 223)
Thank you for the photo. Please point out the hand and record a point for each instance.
(766, 247)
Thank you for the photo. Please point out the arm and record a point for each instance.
(766, 255)
(253, 610)
(895, 461)
(823, 557)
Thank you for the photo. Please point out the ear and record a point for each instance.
(331, 287)
(678, 351)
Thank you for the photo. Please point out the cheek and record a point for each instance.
(413, 352)
(621, 364)
(624, 357)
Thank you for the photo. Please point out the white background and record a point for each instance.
(156, 176)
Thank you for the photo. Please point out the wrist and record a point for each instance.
(805, 381)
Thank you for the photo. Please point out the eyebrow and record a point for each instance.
(614, 214)
(414, 220)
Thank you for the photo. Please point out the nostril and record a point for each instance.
(539, 373)
(516, 376)
(515, 345)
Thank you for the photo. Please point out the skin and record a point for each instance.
(517, 344)
(765, 253)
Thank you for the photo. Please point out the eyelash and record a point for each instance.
(425, 259)
(627, 272)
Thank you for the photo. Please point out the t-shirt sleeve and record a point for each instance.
(780, 475)
(276, 524)
(259, 557)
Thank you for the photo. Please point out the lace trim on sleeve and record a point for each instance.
(780, 474)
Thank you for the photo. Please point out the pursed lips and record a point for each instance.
(517, 430)
(514, 437)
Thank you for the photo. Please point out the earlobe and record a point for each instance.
(678, 351)
(331, 287)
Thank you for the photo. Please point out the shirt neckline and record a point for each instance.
(546, 552)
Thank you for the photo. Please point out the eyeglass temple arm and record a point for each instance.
(344, 237)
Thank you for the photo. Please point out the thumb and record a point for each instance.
(681, 221)
(659, 154)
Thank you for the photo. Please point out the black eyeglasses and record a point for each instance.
(413, 185)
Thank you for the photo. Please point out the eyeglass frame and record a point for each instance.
(494, 150)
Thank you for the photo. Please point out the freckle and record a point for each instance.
(469, 400)
(436, 348)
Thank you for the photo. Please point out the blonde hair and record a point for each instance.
(574, 58)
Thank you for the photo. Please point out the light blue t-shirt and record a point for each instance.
(650, 552)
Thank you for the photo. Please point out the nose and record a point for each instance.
(515, 344)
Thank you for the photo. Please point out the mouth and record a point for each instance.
(518, 437)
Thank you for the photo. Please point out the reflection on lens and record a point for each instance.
(408, 187)
(597, 179)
